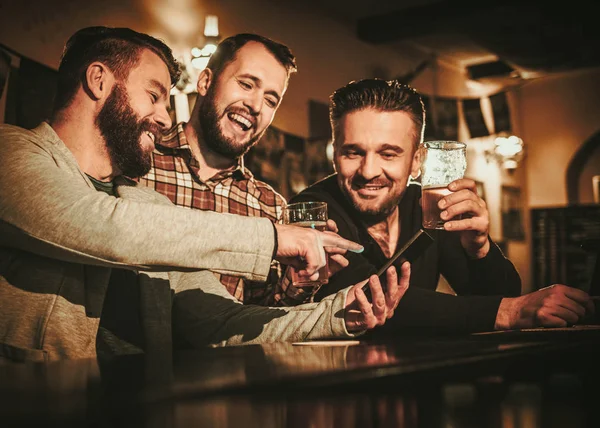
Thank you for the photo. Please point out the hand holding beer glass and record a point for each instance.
(443, 162)
(312, 215)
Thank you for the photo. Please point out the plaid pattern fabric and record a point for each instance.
(174, 173)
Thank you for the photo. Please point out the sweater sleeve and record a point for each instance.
(422, 310)
(49, 209)
(480, 286)
(492, 275)
(426, 312)
(497, 272)
(205, 314)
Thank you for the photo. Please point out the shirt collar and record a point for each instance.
(175, 140)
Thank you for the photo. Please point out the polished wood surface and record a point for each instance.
(512, 379)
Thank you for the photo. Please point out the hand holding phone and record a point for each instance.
(409, 252)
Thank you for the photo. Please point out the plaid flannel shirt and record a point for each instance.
(174, 173)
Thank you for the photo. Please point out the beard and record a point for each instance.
(121, 128)
(213, 134)
(371, 215)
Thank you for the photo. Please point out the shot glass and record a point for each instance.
(443, 162)
(312, 215)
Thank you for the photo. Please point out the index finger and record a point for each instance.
(336, 244)
(377, 295)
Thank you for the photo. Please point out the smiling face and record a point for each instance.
(374, 156)
(240, 103)
(135, 113)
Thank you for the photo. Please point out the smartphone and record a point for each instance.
(409, 252)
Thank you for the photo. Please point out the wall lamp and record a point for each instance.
(197, 60)
(200, 56)
(507, 151)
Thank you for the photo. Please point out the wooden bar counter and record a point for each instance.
(534, 378)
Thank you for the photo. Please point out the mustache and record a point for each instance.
(242, 112)
(361, 182)
(152, 127)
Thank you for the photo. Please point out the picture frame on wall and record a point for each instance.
(446, 110)
(317, 162)
(5, 62)
(474, 118)
(511, 207)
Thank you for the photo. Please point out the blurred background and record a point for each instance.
(518, 81)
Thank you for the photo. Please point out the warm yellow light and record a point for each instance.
(209, 49)
(211, 26)
(508, 147)
(513, 139)
(177, 19)
(200, 63)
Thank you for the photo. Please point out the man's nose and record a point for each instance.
(254, 102)
(162, 118)
(369, 167)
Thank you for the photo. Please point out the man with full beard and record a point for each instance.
(73, 224)
(378, 127)
(200, 165)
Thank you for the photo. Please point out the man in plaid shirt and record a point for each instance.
(200, 164)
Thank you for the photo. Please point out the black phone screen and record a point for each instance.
(415, 246)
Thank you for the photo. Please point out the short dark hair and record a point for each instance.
(118, 48)
(378, 94)
(227, 49)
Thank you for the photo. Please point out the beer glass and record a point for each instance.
(443, 162)
(313, 215)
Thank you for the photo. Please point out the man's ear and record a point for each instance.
(204, 81)
(99, 81)
(335, 149)
(415, 169)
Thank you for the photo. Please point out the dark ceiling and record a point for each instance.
(488, 37)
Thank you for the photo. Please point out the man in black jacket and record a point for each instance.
(378, 127)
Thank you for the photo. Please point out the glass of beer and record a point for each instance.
(443, 162)
(313, 215)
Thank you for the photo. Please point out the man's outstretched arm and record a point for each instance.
(205, 314)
